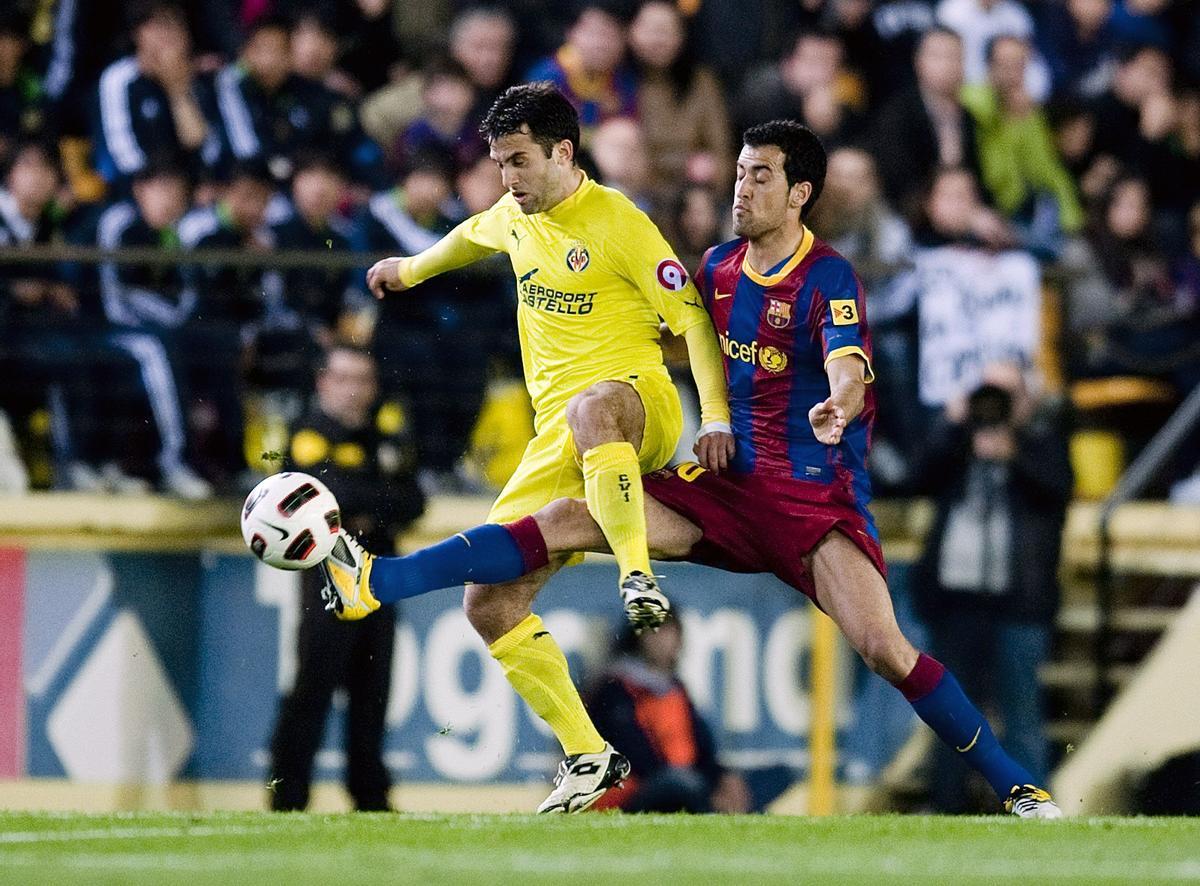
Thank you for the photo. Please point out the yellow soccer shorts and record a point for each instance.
(551, 468)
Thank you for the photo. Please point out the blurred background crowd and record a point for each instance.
(1017, 183)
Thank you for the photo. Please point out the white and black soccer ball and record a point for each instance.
(290, 521)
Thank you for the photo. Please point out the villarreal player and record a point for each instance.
(790, 314)
(594, 275)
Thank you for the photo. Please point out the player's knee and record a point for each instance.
(561, 517)
(889, 655)
(481, 609)
(595, 409)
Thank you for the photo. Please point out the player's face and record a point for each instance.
(537, 182)
(347, 388)
(761, 193)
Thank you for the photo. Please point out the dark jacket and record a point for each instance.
(371, 471)
(652, 720)
(906, 150)
(1037, 492)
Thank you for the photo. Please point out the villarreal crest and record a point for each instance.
(577, 257)
(779, 313)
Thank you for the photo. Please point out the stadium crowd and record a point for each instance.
(1017, 183)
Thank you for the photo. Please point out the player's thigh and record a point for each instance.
(606, 406)
(852, 592)
(496, 609)
(664, 420)
(548, 470)
(567, 525)
(670, 535)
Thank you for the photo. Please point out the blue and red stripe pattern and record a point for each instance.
(777, 332)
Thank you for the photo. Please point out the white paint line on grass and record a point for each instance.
(68, 835)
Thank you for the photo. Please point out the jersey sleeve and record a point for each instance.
(647, 261)
(476, 238)
(839, 314)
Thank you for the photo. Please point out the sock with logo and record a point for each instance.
(487, 554)
(612, 483)
(938, 700)
(537, 669)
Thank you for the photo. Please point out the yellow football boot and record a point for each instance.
(348, 579)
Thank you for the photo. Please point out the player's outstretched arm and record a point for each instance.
(460, 247)
(847, 394)
(714, 444)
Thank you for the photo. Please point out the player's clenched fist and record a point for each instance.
(714, 447)
(384, 275)
(828, 422)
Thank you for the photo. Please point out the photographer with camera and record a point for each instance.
(987, 586)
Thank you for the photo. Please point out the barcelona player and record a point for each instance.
(790, 316)
(594, 276)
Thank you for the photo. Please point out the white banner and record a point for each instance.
(975, 308)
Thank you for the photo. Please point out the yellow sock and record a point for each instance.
(537, 669)
(612, 482)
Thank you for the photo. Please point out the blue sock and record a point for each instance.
(487, 554)
(938, 700)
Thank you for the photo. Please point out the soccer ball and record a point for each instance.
(290, 521)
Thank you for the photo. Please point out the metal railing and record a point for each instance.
(1146, 468)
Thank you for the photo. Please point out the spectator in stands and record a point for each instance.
(444, 124)
(150, 305)
(998, 467)
(854, 219)
(1138, 126)
(696, 224)
(482, 41)
(271, 114)
(367, 36)
(315, 46)
(899, 26)
(688, 131)
(623, 162)
(1077, 40)
(589, 68)
(363, 452)
(153, 103)
(925, 126)
(229, 312)
(641, 704)
(435, 350)
(1019, 164)
(978, 23)
(810, 82)
(1128, 313)
(304, 305)
(22, 101)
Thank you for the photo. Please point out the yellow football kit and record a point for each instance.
(593, 277)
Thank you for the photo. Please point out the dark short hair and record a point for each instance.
(147, 11)
(344, 346)
(253, 169)
(996, 39)
(268, 23)
(165, 165)
(310, 160)
(46, 151)
(804, 157)
(540, 106)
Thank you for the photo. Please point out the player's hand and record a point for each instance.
(828, 422)
(714, 447)
(384, 275)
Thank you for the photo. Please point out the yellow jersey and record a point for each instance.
(593, 277)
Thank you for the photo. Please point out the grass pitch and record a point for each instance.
(294, 849)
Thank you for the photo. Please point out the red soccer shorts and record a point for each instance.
(757, 523)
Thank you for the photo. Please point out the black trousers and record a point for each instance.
(356, 655)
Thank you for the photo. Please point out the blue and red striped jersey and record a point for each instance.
(778, 332)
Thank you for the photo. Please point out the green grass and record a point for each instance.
(260, 849)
